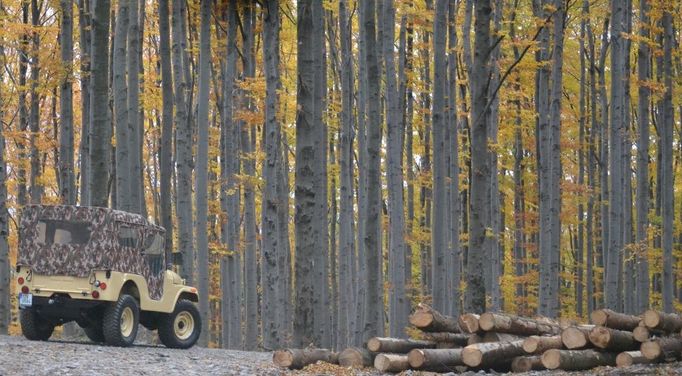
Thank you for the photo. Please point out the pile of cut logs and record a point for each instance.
(502, 342)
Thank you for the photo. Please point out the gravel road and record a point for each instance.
(22, 357)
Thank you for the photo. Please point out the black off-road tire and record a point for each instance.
(168, 333)
(95, 332)
(112, 323)
(34, 327)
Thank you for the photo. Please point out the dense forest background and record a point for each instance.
(323, 166)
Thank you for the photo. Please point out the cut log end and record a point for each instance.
(416, 358)
(391, 363)
(469, 323)
(551, 359)
(283, 358)
(600, 337)
(530, 345)
(640, 334)
(651, 318)
(599, 317)
(421, 319)
(486, 321)
(374, 344)
(651, 350)
(355, 357)
(574, 338)
(526, 363)
(472, 356)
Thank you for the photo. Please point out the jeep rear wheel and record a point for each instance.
(33, 326)
(120, 322)
(181, 328)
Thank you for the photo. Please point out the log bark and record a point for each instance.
(576, 337)
(500, 337)
(527, 363)
(474, 339)
(435, 360)
(662, 348)
(614, 320)
(576, 360)
(457, 339)
(628, 358)
(538, 344)
(666, 322)
(299, 358)
(391, 362)
(468, 322)
(356, 357)
(397, 345)
(490, 355)
(429, 320)
(613, 339)
(516, 325)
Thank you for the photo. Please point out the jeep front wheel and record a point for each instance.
(181, 328)
(120, 322)
(33, 326)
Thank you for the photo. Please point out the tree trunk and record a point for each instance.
(5, 273)
(36, 187)
(448, 339)
(480, 164)
(311, 316)
(66, 168)
(644, 92)
(84, 25)
(201, 170)
(269, 264)
(123, 167)
(469, 322)
(100, 128)
(373, 316)
(667, 178)
(133, 101)
(577, 360)
(183, 148)
(166, 147)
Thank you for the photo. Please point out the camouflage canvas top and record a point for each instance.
(74, 240)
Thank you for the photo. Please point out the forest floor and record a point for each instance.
(19, 356)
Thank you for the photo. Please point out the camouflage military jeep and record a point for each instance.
(105, 270)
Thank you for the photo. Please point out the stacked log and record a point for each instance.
(503, 342)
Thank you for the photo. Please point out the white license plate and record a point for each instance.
(25, 300)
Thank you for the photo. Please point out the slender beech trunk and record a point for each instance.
(374, 313)
(474, 300)
(613, 265)
(201, 186)
(166, 147)
(183, 146)
(229, 194)
(249, 146)
(439, 271)
(555, 155)
(5, 305)
(591, 142)
(667, 195)
(84, 26)
(346, 223)
(100, 127)
(642, 205)
(627, 282)
(36, 188)
(22, 192)
(454, 205)
(133, 102)
(271, 278)
(66, 168)
(580, 246)
(123, 173)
